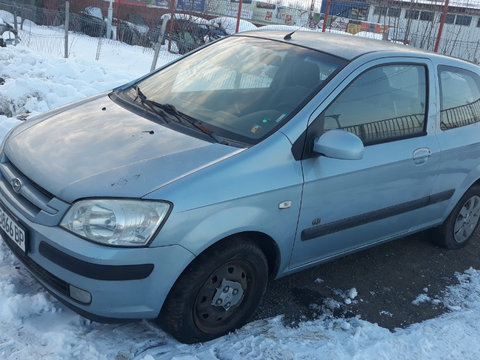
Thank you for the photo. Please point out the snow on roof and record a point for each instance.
(230, 24)
(192, 18)
(281, 27)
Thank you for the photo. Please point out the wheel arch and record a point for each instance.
(476, 183)
(268, 246)
(472, 180)
(265, 242)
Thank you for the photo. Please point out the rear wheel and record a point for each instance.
(217, 293)
(460, 225)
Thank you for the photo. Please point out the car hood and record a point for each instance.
(97, 148)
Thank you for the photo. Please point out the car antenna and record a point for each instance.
(289, 35)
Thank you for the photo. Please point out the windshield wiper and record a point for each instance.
(152, 105)
(168, 112)
(188, 120)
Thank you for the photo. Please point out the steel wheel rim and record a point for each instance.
(467, 219)
(211, 318)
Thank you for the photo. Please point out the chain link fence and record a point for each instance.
(417, 23)
(156, 26)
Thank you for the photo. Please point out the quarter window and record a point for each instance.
(383, 104)
(460, 97)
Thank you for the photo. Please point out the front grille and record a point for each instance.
(41, 190)
(36, 203)
(49, 279)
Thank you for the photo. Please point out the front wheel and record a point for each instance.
(217, 293)
(460, 225)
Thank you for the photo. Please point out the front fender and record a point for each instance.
(198, 229)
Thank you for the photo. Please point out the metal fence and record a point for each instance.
(148, 23)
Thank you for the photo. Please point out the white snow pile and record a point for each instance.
(33, 325)
(230, 24)
(34, 82)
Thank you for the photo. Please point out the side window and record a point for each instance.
(382, 104)
(459, 97)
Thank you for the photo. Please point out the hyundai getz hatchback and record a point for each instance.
(177, 196)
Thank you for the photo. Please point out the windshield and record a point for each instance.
(241, 88)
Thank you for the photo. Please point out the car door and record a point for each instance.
(351, 204)
(459, 128)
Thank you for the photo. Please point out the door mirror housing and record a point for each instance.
(339, 144)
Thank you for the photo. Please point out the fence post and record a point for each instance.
(475, 53)
(170, 28)
(238, 16)
(22, 18)
(15, 24)
(325, 17)
(310, 14)
(158, 45)
(99, 48)
(109, 19)
(67, 25)
(442, 22)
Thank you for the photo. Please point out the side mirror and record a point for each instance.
(339, 144)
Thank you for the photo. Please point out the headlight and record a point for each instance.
(116, 222)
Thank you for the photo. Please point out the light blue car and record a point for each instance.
(177, 196)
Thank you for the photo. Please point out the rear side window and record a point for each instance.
(382, 104)
(460, 97)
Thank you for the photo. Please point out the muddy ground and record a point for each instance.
(387, 278)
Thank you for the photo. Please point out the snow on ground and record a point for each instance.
(33, 325)
(38, 78)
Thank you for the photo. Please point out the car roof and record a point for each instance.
(345, 46)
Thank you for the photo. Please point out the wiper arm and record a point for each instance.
(168, 112)
(185, 119)
(152, 105)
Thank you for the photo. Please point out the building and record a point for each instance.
(417, 23)
(354, 9)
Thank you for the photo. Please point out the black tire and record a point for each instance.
(462, 222)
(188, 313)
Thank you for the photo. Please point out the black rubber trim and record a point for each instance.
(362, 219)
(95, 271)
(51, 280)
(56, 285)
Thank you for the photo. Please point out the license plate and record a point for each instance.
(12, 229)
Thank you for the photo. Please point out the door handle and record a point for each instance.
(420, 156)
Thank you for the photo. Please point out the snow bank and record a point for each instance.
(34, 83)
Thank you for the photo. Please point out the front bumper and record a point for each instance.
(124, 283)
